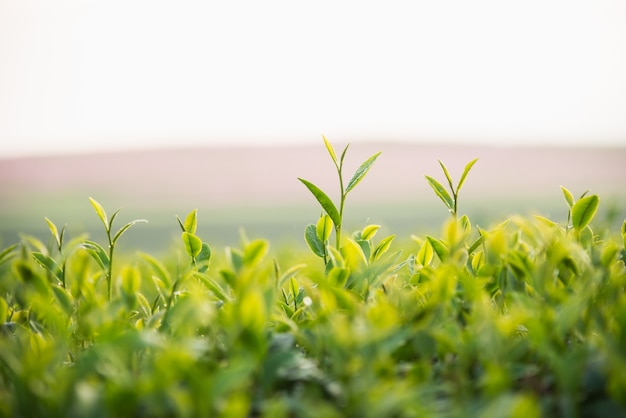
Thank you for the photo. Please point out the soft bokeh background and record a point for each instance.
(161, 107)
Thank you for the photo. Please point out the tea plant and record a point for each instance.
(336, 215)
(104, 258)
(525, 318)
(451, 201)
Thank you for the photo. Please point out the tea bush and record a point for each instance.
(526, 318)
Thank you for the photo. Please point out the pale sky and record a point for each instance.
(78, 76)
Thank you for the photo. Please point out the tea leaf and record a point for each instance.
(441, 192)
(382, 247)
(369, 232)
(440, 248)
(425, 254)
(466, 171)
(100, 212)
(447, 174)
(254, 252)
(191, 222)
(361, 172)
(7, 253)
(55, 232)
(49, 264)
(583, 211)
(313, 241)
(97, 252)
(125, 228)
(204, 257)
(193, 244)
(324, 228)
(569, 197)
(180, 223)
(325, 201)
(331, 150)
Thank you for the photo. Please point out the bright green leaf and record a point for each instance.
(466, 171)
(369, 231)
(100, 212)
(583, 211)
(324, 228)
(191, 222)
(193, 244)
(425, 254)
(441, 192)
(569, 197)
(440, 248)
(54, 231)
(361, 172)
(382, 247)
(254, 252)
(325, 201)
(331, 150)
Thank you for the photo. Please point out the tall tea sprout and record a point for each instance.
(450, 200)
(336, 215)
(103, 257)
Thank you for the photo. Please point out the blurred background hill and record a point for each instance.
(256, 188)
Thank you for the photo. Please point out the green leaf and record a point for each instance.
(100, 212)
(125, 228)
(331, 150)
(191, 222)
(583, 211)
(382, 247)
(361, 172)
(440, 248)
(325, 201)
(369, 231)
(55, 232)
(441, 192)
(313, 241)
(7, 253)
(64, 298)
(447, 174)
(49, 264)
(425, 254)
(213, 286)
(97, 252)
(158, 267)
(193, 244)
(569, 197)
(291, 272)
(254, 252)
(204, 257)
(466, 171)
(324, 228)
(343, 155)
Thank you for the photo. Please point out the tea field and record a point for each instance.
(457, 315)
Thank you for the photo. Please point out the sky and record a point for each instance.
(82, 76)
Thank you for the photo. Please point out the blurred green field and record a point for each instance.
(256, 189)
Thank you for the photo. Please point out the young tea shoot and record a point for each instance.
(104, 258)
(451, 201)
(336, 215)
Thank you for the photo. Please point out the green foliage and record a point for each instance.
(451, 201)
(525, 318)
(336, 215)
